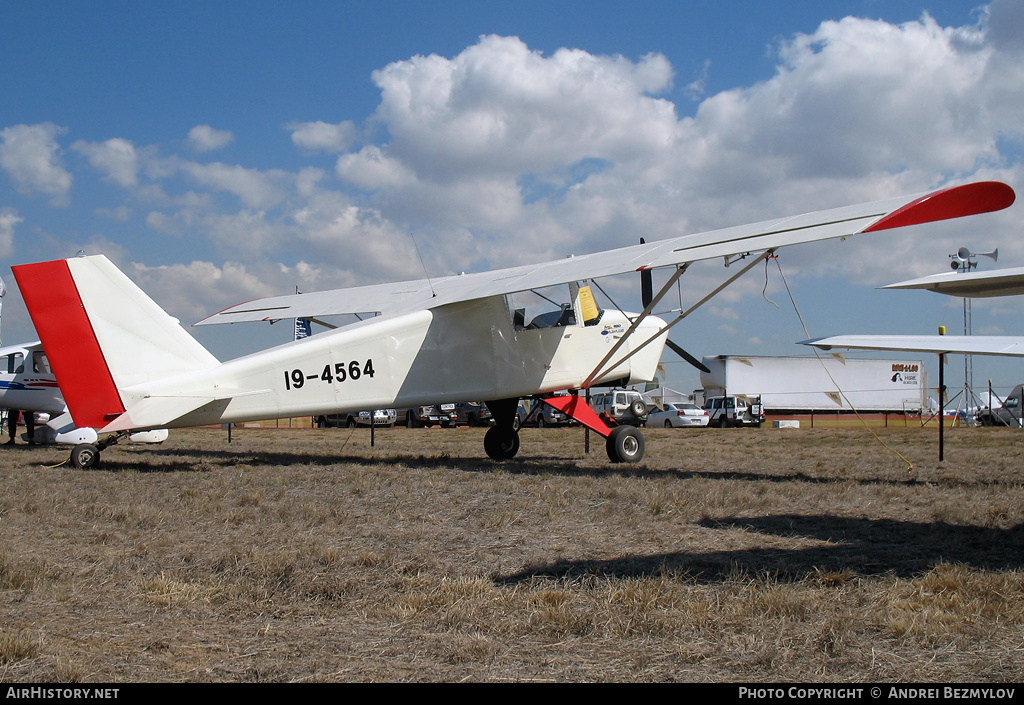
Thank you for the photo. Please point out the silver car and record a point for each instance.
(678, 416)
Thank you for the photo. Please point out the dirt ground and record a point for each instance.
(308, 555)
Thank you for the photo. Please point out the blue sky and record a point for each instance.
(221, 151)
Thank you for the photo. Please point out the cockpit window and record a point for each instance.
(552, 307)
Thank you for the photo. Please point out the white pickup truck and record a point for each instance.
(734, 411)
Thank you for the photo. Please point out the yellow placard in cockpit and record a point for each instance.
(588, 307)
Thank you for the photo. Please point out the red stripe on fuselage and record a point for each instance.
(70, 343)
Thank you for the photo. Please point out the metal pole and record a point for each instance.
(586, 429)
(942, 404)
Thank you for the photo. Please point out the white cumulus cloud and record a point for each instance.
(203, 138)
(31, 157)
(322, 136)
(116, 159)
(499, 107)
(9, 218)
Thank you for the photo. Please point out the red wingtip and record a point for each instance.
(954, 202)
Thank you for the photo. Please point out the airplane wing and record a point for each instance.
(998, 282)
(954, 202)
(939, 344)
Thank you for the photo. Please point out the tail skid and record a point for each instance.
(103, 335)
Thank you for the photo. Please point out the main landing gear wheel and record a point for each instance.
(501, 443)
(625, 444)
(85, 456)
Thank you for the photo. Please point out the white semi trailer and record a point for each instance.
(813, 384)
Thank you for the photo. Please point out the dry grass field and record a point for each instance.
(306, 555)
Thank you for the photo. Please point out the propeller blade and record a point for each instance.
(688, 357)
(646, 295)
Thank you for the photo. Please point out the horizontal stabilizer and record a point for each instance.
(160, 412)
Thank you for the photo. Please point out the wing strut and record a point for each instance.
(636, 322)
(650, 307)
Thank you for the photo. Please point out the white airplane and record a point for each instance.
(452, 339)
(28, 385)
(998, 282)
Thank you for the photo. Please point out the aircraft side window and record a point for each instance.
(15, 363)
(565, 316)
(543, 308)
(40, 363)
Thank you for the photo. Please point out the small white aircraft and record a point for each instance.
(998, 282)
(28, 385)
(124, 364)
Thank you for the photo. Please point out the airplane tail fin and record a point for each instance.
(103, 334)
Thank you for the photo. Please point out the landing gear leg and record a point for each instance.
(86, 456)
(625, 444)
(501, 442)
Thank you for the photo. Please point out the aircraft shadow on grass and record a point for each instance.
(855, 545)
(859, 546)
(204, 460)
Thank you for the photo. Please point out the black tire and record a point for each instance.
(723, 422)
(637, 408)
(501, 444)
(668, 424)
(321, 422)
(85, 456)
(351, 422)
(625, 444)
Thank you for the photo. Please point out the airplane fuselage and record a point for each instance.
(26, 382)
(466, 351)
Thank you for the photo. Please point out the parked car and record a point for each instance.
(471, 413)
(536, 413)
(620, 406)
(427, 415)
(734, 411)
(679, 416)
(381, 417)
(1006, 413)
